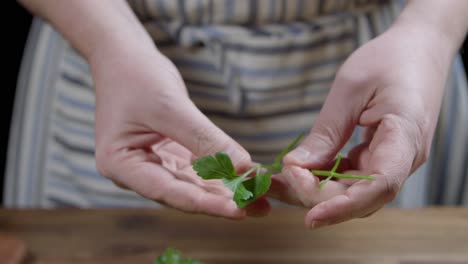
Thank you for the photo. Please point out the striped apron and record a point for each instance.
(259, 69)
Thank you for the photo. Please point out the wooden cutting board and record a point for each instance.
(12, 250)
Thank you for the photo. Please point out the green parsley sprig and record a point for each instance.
(173, 256)
(246, 190)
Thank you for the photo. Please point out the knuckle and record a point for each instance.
(425, 154)
(422, 155)
(391, 188)
(103, 159)
(422, 141)
(207, 141)
(391, 123)
(418, 132)
(106, 164)
(325, 135)
(351, 78)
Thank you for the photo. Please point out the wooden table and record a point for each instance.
(137, 236)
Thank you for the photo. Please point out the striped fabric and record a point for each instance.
(259, 69)
(245, 12)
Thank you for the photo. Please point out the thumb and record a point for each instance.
(331, 130)
(188, 126)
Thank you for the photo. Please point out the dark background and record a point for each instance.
(14, 40)
(20, 23)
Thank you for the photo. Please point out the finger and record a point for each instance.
(305, 186)
(191, 128)
(281, 190)
(355, 153)
(176, 159)
(389, 157)
(156, 183)
(350, 182)
(349, 205)
(368, 133)
(214, 186)
(370, 214)
(192, 199)
(353, 163)
(333, 127)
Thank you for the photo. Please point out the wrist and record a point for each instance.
(120, 47)
(436, 22)
(424, 39)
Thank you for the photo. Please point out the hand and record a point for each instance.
(148, 132)
(392, 86)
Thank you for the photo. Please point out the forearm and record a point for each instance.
(446, 20)
(93, 26)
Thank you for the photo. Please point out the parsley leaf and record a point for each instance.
(243, 197)
(220, 167)
(260, 184)
(215, 167)
(241, 194)
(257, 185)
(172, 256)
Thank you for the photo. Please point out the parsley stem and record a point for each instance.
(341, 175)
(245, 174)
(332, 172)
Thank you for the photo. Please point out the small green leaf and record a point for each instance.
(226, 163)
(217, 167)
(258, 185)
(243, 197)
(234, 183)
(245, 192)
(172, 256)
(263, 183)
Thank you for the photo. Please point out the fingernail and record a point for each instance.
(300, 154)
(317, 224)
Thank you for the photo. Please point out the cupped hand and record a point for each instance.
(148, 132)
(392, 87)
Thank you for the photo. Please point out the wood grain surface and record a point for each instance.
(392, 236)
